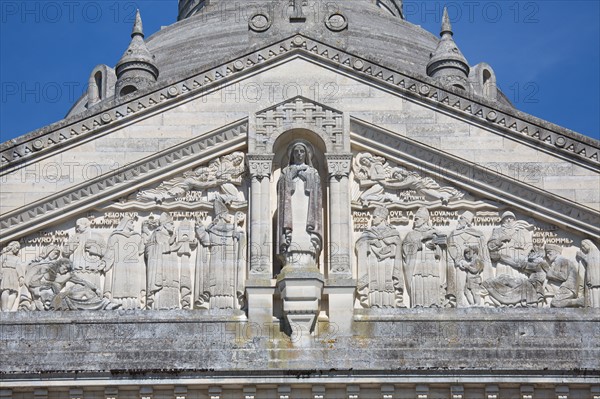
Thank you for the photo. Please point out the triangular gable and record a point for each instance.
(57, 137)
(486, 184)
(112, 186)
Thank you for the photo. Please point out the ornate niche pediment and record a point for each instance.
(299, 113)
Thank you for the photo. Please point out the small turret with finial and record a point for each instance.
(447, 63)
(137, 68)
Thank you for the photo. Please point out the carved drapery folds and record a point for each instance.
(400, 237)
(458, 250)
(382, 181)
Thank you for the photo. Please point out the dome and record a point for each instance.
(188, 8)
(221, 32)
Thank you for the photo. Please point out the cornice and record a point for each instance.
(477, 179)
(544, 135)
(114, 185)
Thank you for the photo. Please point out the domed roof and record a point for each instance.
(221, 31)
(213, 32)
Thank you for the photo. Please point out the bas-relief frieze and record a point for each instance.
(417, 242)
(191, 256)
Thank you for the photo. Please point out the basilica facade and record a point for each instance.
(297, 206)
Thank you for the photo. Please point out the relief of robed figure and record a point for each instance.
(423, 253)
(125, 270)
(218, 278)
(163, 266)
(379, 252)
(300, 213)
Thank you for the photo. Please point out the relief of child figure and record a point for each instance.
(473, 266)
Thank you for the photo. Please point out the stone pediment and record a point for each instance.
(465, 176)
(295, 113)
(504, 121)
(299, 113)
(111, 188)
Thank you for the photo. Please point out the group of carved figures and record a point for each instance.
(465, 269)
(132, 270)
(153, 269)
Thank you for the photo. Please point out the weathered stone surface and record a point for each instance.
(467, 341)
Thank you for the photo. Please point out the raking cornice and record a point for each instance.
(533, 131)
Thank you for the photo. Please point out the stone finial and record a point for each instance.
(138, 28)
(446, 25)
(137, 68)
(447, 63)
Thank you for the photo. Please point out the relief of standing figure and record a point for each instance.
(221, 240)
(423, 253)
(11, 277)
(300, 201)
(163, 266)
(459, 241)
(381, 283)
(126, 273)
(589, 258)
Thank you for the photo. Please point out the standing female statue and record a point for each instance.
(300, 201)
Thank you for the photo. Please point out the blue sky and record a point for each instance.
(546, 54)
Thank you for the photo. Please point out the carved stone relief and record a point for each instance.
(134, 255)
(221, 258)
(380, 279)
(476, 258)
(381, 181)
(459, 250)
(414, 243)
(222, 177)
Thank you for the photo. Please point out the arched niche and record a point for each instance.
(281, 148)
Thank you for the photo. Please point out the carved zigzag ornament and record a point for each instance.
(116, 184)
(536, 132)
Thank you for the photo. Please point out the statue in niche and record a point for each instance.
(563, 279)
(184, 245)
(222, 257)
(163, 266)
(379, 251)
(300, 214)
(86, 250)
(423, 253)
(39, 293)
(11, 277)
(225, 173)
(472, 265)
(72, 292)
(125, 271)
(466, 237)
(510, 244)
(379, 178)
(520, 291)
(589, 258)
